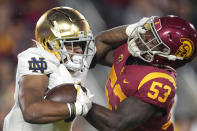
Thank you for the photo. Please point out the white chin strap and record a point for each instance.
(134, 50)
(76, 63)
(169, 57)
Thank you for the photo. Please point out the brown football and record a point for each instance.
(65, 93)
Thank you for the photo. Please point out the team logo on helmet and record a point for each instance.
(186, 49)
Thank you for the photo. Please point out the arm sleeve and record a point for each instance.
(159, 92)
(33, 64)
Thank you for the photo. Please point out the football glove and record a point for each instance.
(130, 30)
(83, 102)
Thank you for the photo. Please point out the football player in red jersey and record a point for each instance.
(142, 83)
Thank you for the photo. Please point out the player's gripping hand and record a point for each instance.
(83, 102)
(130, 30)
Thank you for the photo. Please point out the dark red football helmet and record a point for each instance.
(173, 41)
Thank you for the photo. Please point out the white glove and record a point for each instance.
(83, 105)
(130, 30)
(80, 90)
(83, 101)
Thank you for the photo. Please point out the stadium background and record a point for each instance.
(17, 23)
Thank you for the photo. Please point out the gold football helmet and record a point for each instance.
(61, 26)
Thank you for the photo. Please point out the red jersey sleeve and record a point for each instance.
(157, 89)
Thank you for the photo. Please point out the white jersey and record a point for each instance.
(37, 61)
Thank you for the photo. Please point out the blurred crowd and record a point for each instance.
(17, 23)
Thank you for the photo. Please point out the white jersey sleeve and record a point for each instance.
(33, 62)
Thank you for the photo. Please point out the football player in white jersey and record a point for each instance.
(64, 47)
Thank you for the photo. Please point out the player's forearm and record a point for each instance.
(113, 37)
(102, 118)
(109, 40)
(130, 114)
(45, 112)
(106, 120)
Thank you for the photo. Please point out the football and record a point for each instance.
(65, 93)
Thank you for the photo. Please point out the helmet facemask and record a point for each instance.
(146, 43)
(75, 61)
(63, 26)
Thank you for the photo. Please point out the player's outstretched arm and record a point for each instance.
(107, 41)
(130, 113)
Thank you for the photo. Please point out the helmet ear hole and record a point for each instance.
(44, 42)
(170, 36)
(179, 38)
(49, 46)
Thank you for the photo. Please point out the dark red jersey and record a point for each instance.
(150, 84)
